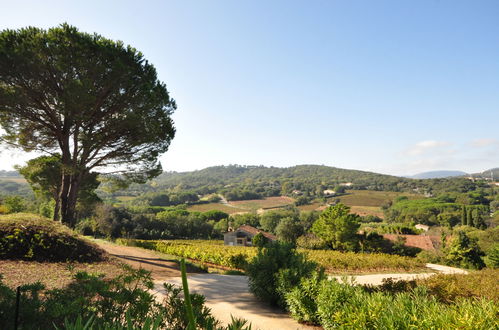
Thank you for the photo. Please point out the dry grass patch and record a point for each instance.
(215, 206)
(269, 202)
(53, 274)
(372, 198)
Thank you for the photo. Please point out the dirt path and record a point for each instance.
(140, 258)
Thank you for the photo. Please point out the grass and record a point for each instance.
(367, 210)
(53, 274)
(215, 206)
(269, 202)
(124, 198)
(372, 198)
(13, 179)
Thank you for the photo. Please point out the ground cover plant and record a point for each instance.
(213, 251)
(31, 237)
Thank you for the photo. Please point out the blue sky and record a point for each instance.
(396, 87)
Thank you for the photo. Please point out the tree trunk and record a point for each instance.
(63, 197)
(72, 199)
(57, 207)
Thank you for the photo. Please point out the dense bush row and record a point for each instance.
(31, 237)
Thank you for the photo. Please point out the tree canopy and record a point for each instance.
(94, 101)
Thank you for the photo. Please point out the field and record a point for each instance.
(362, 202)
(335, 262)
(269, 202)
(13, 179)
(124, 198)
(372, 198)
(215, 206)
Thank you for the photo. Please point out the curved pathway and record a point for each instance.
(228, 295)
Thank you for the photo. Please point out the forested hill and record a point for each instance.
(247, 182)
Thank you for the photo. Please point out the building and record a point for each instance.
(243, 236)
(423, 227)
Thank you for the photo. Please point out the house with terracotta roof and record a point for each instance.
(243, 236)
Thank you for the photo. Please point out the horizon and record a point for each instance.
(386, 87)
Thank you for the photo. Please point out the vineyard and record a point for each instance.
(335, 262)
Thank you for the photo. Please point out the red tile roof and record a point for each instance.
(254, 231)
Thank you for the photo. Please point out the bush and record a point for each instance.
(311, 242)
(464, 252)
(452, 287)
(275, 270)
(493, 257)
(302, 299)
(331, 302)
(31, 237)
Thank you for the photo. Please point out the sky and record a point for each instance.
(395, 87)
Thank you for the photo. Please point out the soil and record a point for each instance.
(152, 261)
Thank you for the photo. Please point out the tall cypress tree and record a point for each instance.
(464, 219)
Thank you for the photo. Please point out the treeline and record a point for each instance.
(471, 209)
(251, 182)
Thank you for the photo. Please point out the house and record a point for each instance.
(329, 192)
(422, 227)
(243, 236)
(346, 184)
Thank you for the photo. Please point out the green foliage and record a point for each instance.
(250, 182)
(493, 257)
(289, 230)
(95, 101)
(275, 270)
(311, 242)
(259, 240)
(15, 204)
(437, 211)
(249, 219)
(450, 288)
(338, 228)
(394, 305)
(301, 301)
(464, 252)
(31, 237)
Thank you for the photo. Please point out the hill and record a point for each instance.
(237, 182)
(438, 174)
(492, 174)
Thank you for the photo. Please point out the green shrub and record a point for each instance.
(302, 299)
(464, 252)
(31, 237)
(275, 270)
(451, 287)
(311, 241)
(493, 257)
